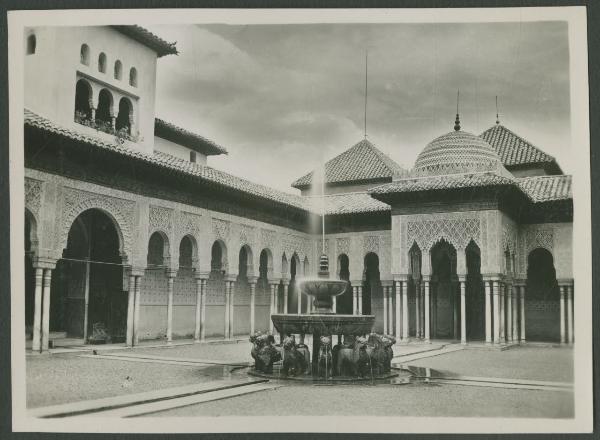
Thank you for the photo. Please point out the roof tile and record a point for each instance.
(547, 188)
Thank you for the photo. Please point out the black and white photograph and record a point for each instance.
(228, 220)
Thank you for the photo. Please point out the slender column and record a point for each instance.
(203, 310)
(488, 312)
(426, 307)
(299, 293)
(354, 300)
(227, 309)
(463, 312)
(417, 310)
(515, 314)
(285, 296)
(272, 307)
(385, 309)
(231, 307)
(93, 113)
(130, 310)
(198, 314)
(252, 306)
(570, 314)
(422, 310)
(46, 309)
(455, 289)
(502, 312)
(563, 338)
(496, 296)
(136, 309)
(405, 311)
(522, 314)
(170, 278)
(333, 305)
(398, 307)
(37, 311)
(360, 300)
(391, 309)
(509, 335)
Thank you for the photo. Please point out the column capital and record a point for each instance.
(426, 278)
(231, 278)
(274, 281)
(252, 279)
(401, 277)
(492, 276)
(44, 263)
(356, 283)
(201, 275)
(565, 282)
(461, 278)
(171, 273)
(387, 283)
(518, 282)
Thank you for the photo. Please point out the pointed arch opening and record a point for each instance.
(372, 292)
(475, 294)
(444, 300)
(125, 116)
(104, 111)
(30, 251)
(344, 301)
(102, 62)
(415, 296)
(542, 298)
(83, 101)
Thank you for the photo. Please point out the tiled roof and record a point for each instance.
(347, 203)
(144, 36)
(168, 162)
(362, 162)
(547, 188)
(451, 181)
(513, 149)
(171, 132)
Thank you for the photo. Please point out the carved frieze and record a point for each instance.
(343, 246)
(160, 219)
(371, 244)
(188, 224)
(221, 229)
(267, 238)
(33, 194)
(247, 234)
(539, 238)
(458, 232)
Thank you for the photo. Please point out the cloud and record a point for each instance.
(283, 98)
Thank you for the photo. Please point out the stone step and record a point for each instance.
(175, 359)
(163, 405)
(109, 403)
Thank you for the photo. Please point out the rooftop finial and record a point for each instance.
(457, 121)
(366, 84)
(497, 117)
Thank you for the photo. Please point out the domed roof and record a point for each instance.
(457, 152)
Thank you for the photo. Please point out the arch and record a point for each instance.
(475, 293)
(265, 265)
(158, 250)
(102, 62)
(371, 282)
(344, 301)
(118, 70)
(84, 54)
(415, 258)
(104, 112)
(31, 44)
(542, 298)
(284, 265)
(245, 266)
(30, 230)
(83, 100)
(188, 252)
(31, 233)
(133, 79)
(306, 267)
(218, 260)
(125, 115)
(443, 291)
(91, 267)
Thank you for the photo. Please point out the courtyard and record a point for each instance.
(523, 381)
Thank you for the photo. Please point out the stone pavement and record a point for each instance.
(78, 376)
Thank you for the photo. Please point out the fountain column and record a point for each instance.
(426, 307)
(405, 310)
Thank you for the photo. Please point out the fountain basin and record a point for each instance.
(323, 324)
(322, 290)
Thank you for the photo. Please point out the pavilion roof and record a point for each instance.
(347, 203)
(147, 38)
(515, 151)
(547, 188)
(363, 162)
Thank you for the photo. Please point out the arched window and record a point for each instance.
(124, 116)
(118, 69)
(102, 62)
(193, 156)
(133, 77)
(84, 54)
(31, 43)
(105, 102)
(83, 95)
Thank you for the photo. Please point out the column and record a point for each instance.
(46, 309)
(203, 310)
(231, 307)
(515, 314)
(385, 310)
(285, 296)
(522, 314)
(170, 278)
(391, 309)
(252, 306)
(37, 311)
(398, 304)
(333, 304)
(354, 300)
(136, 310)
(563, 338)
(359, 299)
(417, 309)
(455, 289)
(570, 314)
(426, 307)
(405, 311)
(130, 310)
(488, 312)
(502, 312)
(198, 314)
(496, 296)
(272, 307)
(299, 293)
(227, 310)
(463, 312)
(509, 335)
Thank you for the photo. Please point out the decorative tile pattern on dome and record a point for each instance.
(512, 148)
(362, 162)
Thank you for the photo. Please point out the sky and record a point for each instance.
(283, 99)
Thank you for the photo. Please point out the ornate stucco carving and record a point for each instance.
(188, 224)
(458, 232)
(247, 234)
(371, 244)
(267, 238)
(343, 246)
(509, 238)
(221, 229)
(539, 238)
(33, 195)
(160, 219)
(120, 210)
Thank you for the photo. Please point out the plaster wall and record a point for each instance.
(177, 150)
